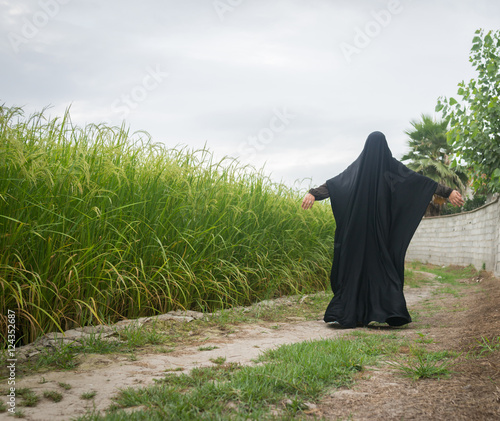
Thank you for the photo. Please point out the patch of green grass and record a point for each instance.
(218, 360)
(448, 289)
(447, 275)
(137, 336)
(207, 348)
(3, 407)
(416, 315)
(61, 357)
(486, 345)
(307, 367)
(430, 308)
(65, 386)
(424, 365)
(414, 279)
(53, 395)
(163, 350)
(379, 344)
(459, 307)
(174, 369)
(199, 376)
(95, 343)
(423, 339)
(28, 397)
(88, 395)
(19, 413)
(450, 280)
(441, 355)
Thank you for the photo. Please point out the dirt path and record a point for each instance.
(379, 394)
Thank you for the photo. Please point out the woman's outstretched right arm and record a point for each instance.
(453, 196)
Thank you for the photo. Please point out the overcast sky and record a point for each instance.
(296, 85)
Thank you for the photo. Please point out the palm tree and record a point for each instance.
(430, 156)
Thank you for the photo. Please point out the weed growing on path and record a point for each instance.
(421, 364)
(53, 395)
(486, 345)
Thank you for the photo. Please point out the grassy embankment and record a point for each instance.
(97, 224)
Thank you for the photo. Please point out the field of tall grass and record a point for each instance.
(98, 224)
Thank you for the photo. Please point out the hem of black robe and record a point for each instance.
(393, 321)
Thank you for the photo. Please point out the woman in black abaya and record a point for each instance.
(377, 203)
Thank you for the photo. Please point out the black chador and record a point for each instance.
(377, 203)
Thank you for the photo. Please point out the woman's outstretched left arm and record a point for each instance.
(308, 201)
(319, 193)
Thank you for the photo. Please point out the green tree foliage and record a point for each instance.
(431, 155)
(475, 120)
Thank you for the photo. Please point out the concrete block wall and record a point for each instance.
(462, 239)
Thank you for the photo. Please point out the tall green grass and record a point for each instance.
(99, 224)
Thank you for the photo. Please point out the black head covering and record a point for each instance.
(377, 203)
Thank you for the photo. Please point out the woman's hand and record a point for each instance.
(456, 198)
(308, 201)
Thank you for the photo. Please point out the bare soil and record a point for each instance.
(455, 323)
